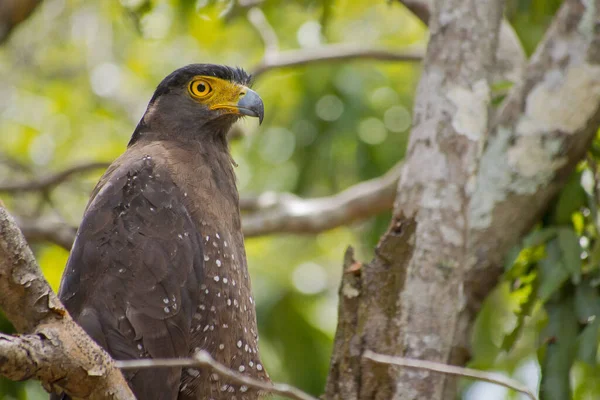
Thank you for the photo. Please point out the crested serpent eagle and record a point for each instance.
(158, 268)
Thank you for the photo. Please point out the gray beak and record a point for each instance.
(252, 105)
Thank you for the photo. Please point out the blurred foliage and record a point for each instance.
(76, 78)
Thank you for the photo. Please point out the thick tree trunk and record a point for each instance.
(470, 188)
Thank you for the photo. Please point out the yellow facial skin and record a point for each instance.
(217, 94)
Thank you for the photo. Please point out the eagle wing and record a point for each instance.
(134, 273)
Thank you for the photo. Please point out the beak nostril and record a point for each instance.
(242, 94)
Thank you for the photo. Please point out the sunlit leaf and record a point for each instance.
(497, 319)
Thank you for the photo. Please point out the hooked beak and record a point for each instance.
(252, 105)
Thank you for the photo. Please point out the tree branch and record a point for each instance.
(537, 139)
(50, 181)
(510, 56)
(452, 370)
(290, 214)
(273, 58)
(333, 53)
(57, 351)
(258, 19)
(203, 359)
(12, 13)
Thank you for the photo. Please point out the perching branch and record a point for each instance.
(54, 349)
(451, 370)
(50, 181)
(203, 359)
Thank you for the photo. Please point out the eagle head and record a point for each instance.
(200, 99)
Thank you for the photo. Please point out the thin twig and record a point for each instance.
(53, 180)
(489, 377)
(334, 53)
(203, 359)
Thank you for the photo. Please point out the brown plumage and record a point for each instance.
(158, 268)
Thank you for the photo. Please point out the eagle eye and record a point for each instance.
(199, 88)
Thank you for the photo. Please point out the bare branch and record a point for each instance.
(273, 58)
(57, 352)
(288, 213)
(258, 19)
(203, 359)
(451, 370)
(50, 181)
(333, 53)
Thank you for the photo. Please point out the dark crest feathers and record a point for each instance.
(181, 76)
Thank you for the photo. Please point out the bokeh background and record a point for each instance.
(76, 76)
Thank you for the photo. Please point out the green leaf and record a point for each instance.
(571, 253)
(559, 338)
(511, 257)
(587, 302)
(539, 237)
(552, 273)
(497, 319)
(572, 197)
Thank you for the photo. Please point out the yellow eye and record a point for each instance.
(200, 88)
